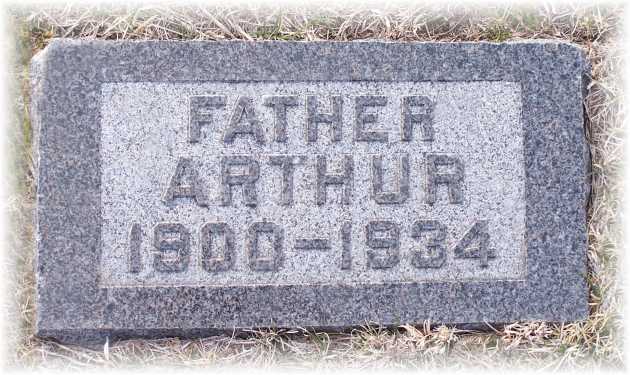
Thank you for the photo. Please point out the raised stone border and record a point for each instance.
(66, 111)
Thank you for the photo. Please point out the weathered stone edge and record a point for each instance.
(41, 98)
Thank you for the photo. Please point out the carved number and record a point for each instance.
(435, 253)
(135, 242)
(476, 244)
(383, 240)
(172, 246)
(214, 259)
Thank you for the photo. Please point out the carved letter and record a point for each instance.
(377, 182)
(287, 163)
(454, 180)
(247, 179)
(201, 114)
(362, 118)
(192, 188)
(279, 105)
(314, 118)
(425, 119)
(172, 245)
(244, 108)
(324, 179)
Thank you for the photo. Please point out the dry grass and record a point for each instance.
(594, 343)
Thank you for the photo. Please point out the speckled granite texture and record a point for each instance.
(144, 133)
(113, 133)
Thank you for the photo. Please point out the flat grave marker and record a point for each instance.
(191, 188)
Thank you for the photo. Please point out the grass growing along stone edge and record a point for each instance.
(594, 343)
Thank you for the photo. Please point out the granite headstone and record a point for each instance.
(193, 188)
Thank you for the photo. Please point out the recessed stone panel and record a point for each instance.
(148, 153)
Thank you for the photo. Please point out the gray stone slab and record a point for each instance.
(193, 188)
